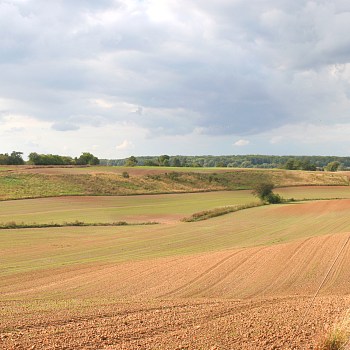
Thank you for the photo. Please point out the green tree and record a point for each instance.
(150, 163)
(263, 190)
(131, 161)
(4, 159)
(87, 159)
(176, 162)
(15, 158)
(332, 166)
(164, 160)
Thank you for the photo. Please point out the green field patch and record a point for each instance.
(171, 207)
(31, 249)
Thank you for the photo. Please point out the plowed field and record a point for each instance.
(241, 281)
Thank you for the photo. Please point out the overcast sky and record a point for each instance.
(149, 77)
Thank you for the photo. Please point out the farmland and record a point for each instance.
(242, 280)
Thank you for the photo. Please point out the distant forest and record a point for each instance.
(237, 161)
(311, 163)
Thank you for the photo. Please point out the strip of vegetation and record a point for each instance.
(15, 225)
(208, 214)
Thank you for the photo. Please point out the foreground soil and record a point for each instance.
(248, 298)
(276, 323)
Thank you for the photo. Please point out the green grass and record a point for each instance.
(32, 249)
(109, 209)
(170, 207)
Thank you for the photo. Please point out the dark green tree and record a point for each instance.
(87, 159)
(131, 161)
(164, 160)
(176, 162)
(263, 190)
(15, 158)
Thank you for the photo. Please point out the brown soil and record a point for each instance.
(295, 268)
(248, 298)
(276, 323)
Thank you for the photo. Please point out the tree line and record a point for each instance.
(309, 163)
(16, 158)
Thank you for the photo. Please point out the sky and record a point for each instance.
(189, 77)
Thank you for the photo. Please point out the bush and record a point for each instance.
(273, 198)
(263, 190)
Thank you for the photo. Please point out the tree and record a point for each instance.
(263, 190)
(34, 158)
(332, 166)
(15, 158)
(131, 161)
(163, 160)
(4, 159)
(150, 163)
(87, 159)
(176, 162)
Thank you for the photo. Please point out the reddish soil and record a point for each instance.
(249, 298)
(319, 207)
(278, 323)
(295, 268)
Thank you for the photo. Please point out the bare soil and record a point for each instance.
(248, 298)
(275, 323)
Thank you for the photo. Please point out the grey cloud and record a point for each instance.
(226, 67)
(64, 127)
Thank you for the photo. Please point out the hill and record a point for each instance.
(33, 182)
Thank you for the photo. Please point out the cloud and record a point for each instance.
(241, 143)
(225, 67)
(64, 127)
(125, 145)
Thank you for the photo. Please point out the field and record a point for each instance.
(31, 182)
(244, 280)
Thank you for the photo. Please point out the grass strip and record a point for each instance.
(208, 214)
(14, 225)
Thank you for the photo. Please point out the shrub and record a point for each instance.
(263, 190)
(273, 198)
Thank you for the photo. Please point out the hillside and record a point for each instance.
(33, 182)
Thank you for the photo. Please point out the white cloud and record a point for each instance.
(241, 143)
(102, 103)
(125, 145)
